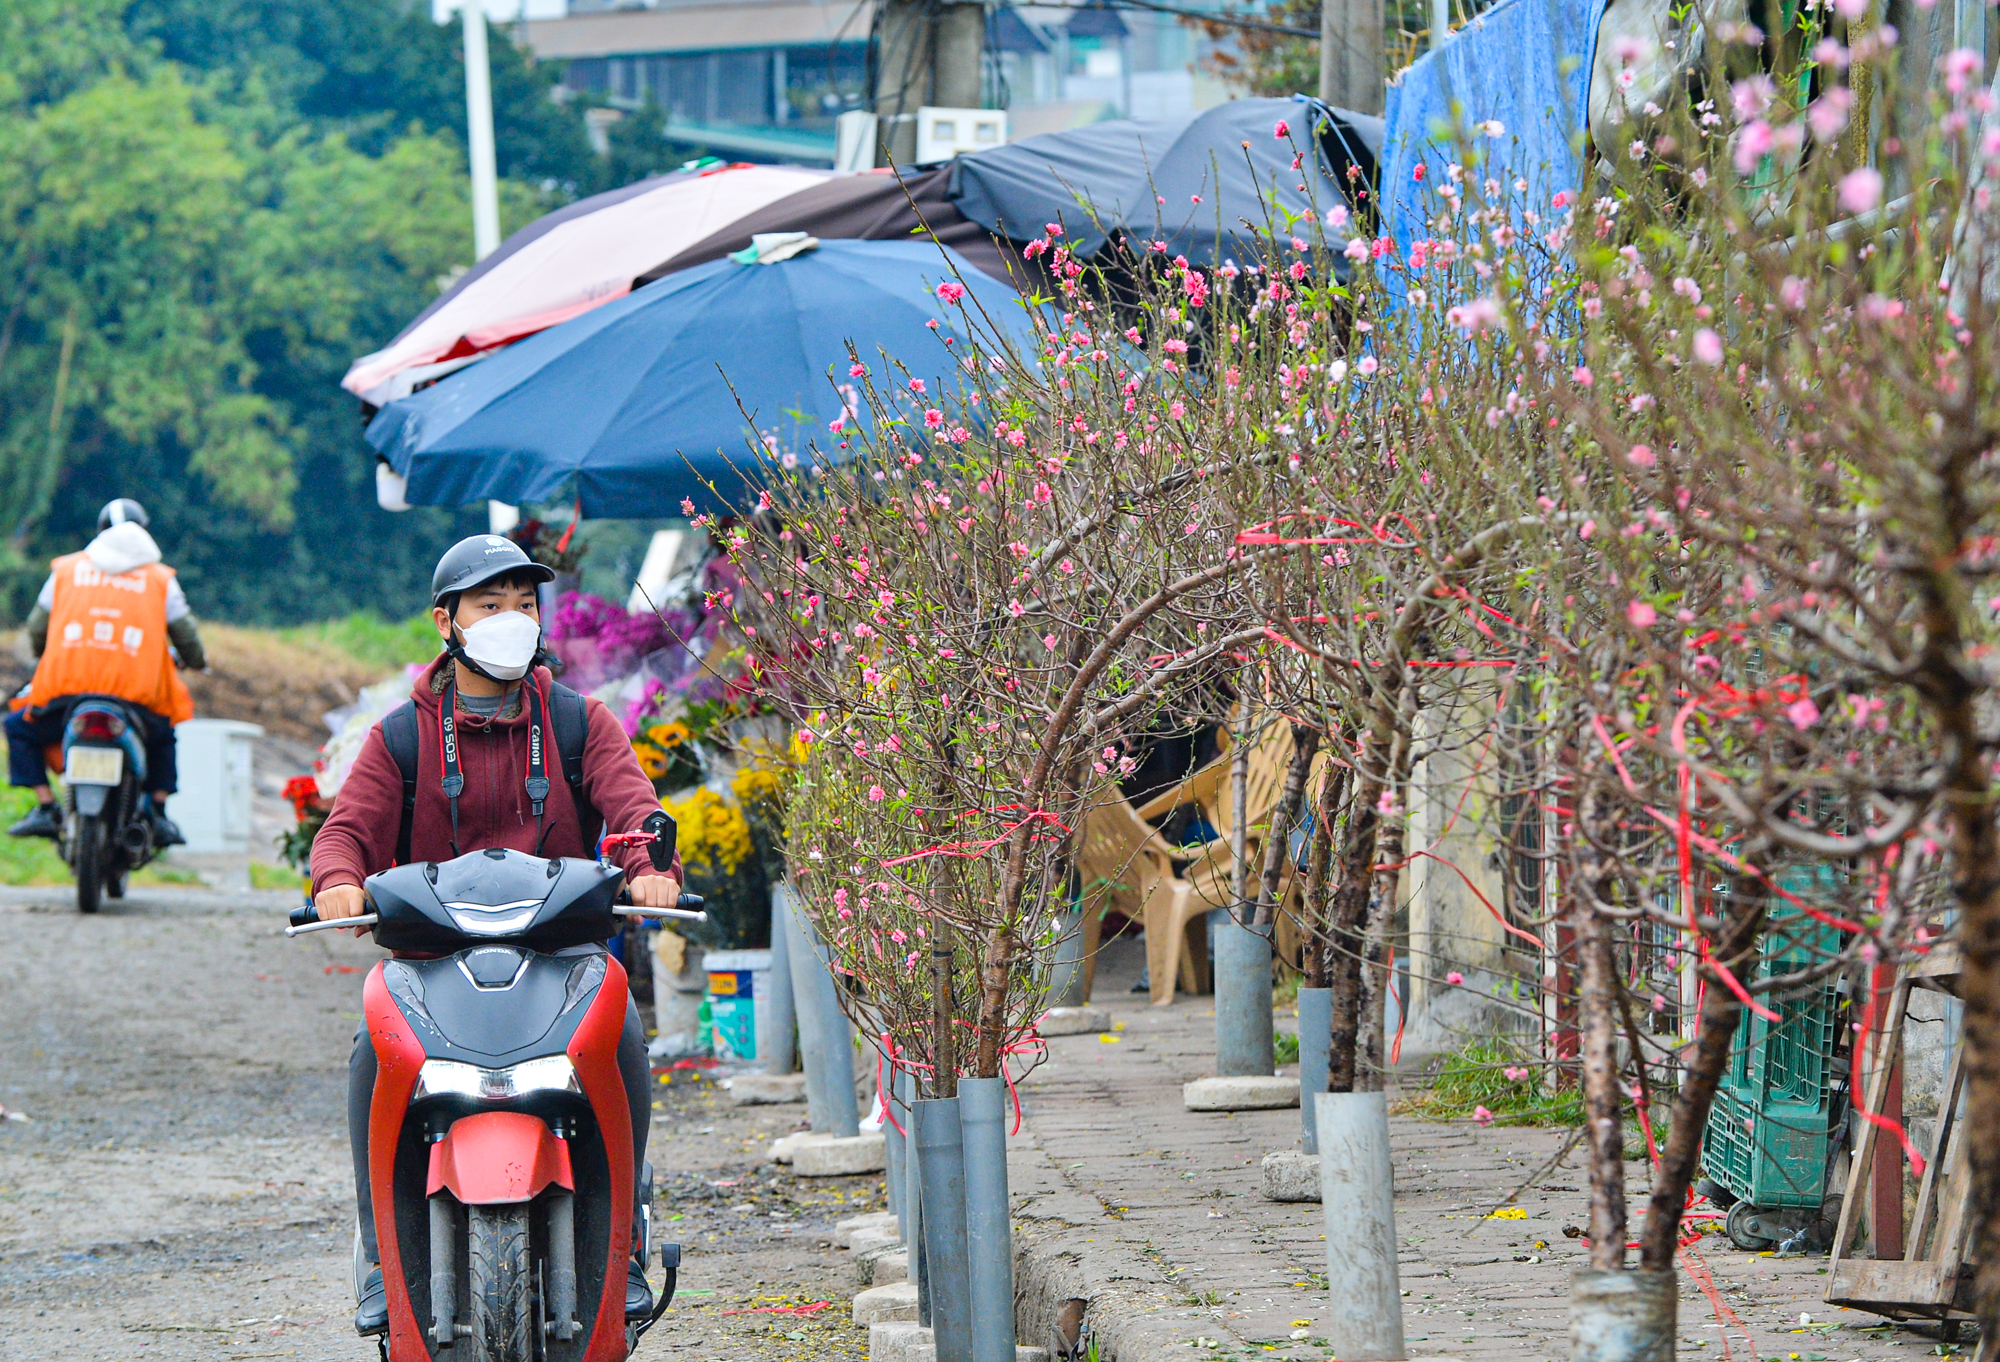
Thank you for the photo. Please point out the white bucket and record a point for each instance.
(739, 1000)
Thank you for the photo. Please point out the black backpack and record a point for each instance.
(569, 715)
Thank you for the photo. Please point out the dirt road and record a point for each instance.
(181, 1189)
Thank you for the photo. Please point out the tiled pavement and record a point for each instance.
(1230, 1274)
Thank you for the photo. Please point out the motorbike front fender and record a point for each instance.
(499, 1158)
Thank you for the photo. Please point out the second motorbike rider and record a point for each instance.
(470, 793)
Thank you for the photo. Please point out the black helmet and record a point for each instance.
(479, 559)
(123, 511)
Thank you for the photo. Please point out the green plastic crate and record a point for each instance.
(1768, 1130)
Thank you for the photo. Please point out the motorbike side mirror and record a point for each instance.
(665, 837)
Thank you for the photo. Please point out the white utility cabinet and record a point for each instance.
(217, 784)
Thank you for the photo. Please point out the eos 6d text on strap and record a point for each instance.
(454, 779)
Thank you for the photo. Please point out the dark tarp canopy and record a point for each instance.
(875, 206)
(1140, 178)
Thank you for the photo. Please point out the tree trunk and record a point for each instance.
(996, 969)
(1239, 814)
(1604, 1125)
(1735, 947)
(1976, 887)
(944, 1058)
(1345, 927)
(1372, 1058)
(1318, 862)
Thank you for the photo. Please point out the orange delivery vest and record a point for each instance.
(108, 636)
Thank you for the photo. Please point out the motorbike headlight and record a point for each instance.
(446, 1077)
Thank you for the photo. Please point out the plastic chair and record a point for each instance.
(1126, 864)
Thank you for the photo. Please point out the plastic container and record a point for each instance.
(739, 1000)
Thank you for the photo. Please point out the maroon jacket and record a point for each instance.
(359, 836)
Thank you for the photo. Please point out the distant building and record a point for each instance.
(763, 80)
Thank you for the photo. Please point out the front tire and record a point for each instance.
(89, 863)
(497, 1261)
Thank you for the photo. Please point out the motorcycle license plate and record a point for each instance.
(94, 766)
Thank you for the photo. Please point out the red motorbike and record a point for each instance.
(500, 1140)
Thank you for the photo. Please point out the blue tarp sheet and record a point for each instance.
(1523, 63)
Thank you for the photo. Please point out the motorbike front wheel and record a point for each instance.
(497, 1260)
(88, 849)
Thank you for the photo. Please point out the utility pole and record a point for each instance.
(479, 132)
(1350, 55)
(500, 517)
(930, 53)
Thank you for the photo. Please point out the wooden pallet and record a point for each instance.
(1924, 1274)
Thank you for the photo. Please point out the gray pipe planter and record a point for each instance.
(1357, 1200)
(989, 1235)
(1242, 1001)
(1315, 1036)
(779, 1051)
(1617, 1316)
(941, 1172)
(826, 1038)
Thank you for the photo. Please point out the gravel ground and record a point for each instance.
(181, 1188)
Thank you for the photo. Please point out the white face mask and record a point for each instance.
(503, 645)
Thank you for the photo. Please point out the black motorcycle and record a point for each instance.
(107, 828)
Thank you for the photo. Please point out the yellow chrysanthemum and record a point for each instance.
(652, 760)
(714, 835)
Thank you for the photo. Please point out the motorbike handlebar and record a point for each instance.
(689, 911)
(314, 923)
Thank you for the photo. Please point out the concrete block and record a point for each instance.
(759, 1090)
(875, 1240)
(785, 1146)
(845, 1230)
(1249, 1093)
(881, 1304)
(1075, 1021)
(1291, 1176)
(884, 1266)
(893, 1341)
(926, 1351)
(845, 1157)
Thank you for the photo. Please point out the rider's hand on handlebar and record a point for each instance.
(654, 891)
(341, 900)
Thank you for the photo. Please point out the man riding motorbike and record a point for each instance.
(424, 789)
(110, 612)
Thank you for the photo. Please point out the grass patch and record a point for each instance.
(370, 639)
(1475, 1076)
(264, 876)
(26, 860)
(35, 860)
(1287, 1046)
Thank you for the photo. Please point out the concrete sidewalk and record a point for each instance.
(1153, 1213)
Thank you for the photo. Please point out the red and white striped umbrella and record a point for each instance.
(567, 263)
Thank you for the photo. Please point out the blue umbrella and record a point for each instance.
(630, 407)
